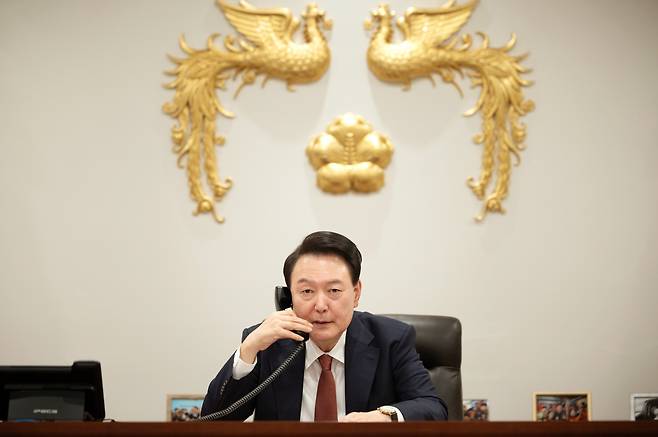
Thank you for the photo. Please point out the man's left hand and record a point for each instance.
(370, 416)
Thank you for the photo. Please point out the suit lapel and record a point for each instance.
(360, 365)
(288, 386)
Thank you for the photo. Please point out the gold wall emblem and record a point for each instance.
(429, 47)
(266, 50)
(350, 156)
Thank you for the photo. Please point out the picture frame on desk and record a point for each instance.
(561, 406)
(644, 406)
(476, 410)
(184, 407)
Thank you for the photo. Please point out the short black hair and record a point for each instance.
(326, 242)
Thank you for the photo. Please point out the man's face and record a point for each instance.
(323, 294)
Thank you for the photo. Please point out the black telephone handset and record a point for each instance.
(282, 298)
(282, 301)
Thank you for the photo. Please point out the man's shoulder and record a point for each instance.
(378, 319)
(381, 326)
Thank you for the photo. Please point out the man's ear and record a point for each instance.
(357, 293)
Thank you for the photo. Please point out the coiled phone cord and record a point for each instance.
(255, 392)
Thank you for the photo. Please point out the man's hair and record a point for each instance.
(326, 243)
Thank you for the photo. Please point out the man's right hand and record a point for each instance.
(276, 326)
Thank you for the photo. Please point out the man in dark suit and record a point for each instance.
(357, 367)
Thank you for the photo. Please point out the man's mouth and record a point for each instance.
(321, 323)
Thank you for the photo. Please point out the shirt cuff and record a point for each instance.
(240, 368)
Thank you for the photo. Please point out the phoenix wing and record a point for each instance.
(260, 26)
(433, 26)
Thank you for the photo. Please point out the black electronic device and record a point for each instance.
(282, 301)
(52, 393)
(282, 298)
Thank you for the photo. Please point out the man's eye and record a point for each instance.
(335, 290)
(307, 291)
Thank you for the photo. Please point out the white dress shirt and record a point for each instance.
(312, 371)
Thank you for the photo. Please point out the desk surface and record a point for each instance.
(294, 429)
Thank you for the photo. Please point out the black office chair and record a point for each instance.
(439, 344)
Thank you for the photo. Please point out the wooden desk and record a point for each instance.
(295, 429)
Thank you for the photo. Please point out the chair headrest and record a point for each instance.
(438, 338)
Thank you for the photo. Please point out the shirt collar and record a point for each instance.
(337, 353)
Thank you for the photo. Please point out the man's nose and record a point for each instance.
(321, 303)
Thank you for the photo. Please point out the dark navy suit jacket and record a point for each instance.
(381, 368)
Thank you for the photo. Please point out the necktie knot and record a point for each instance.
(325, 362)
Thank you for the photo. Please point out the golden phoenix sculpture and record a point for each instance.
(265, 49)
(350, 156)
(429, 46)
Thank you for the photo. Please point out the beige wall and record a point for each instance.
(101, 258)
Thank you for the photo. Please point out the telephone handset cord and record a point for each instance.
(255, 392)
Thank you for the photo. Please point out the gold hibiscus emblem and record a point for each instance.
(350, 156)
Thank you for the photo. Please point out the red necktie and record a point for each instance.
(325, 401)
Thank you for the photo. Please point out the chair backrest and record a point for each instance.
(439, 344)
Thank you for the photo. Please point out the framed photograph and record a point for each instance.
(644, 406)
(560, 406)
(476, 410)
(183, 408)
